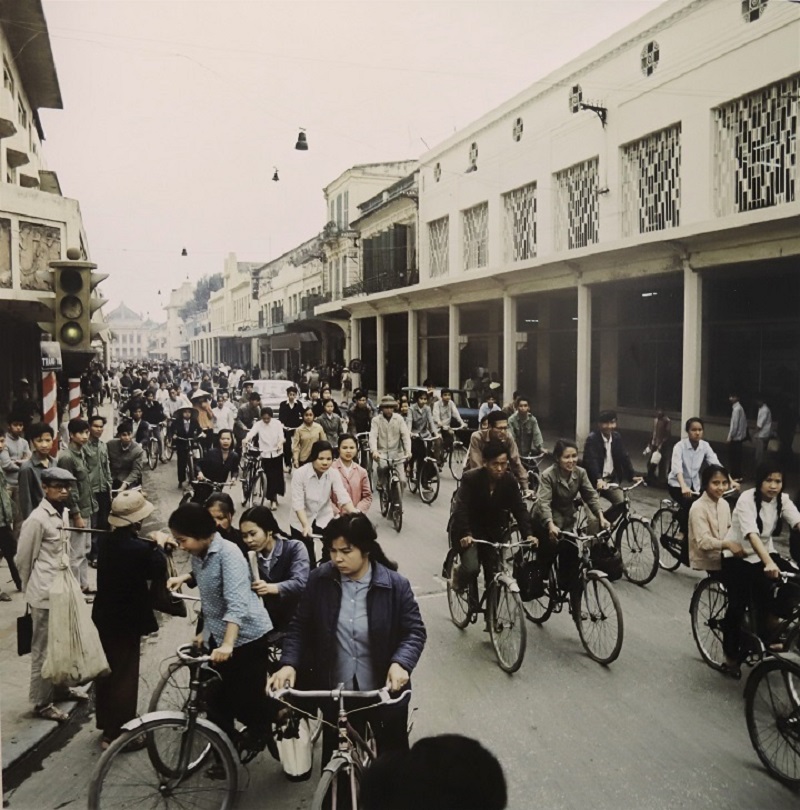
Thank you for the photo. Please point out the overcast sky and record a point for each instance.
(176, 113)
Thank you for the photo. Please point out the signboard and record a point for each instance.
(51, 355)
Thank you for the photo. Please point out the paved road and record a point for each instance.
(657, 729)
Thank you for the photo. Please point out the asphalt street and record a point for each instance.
(656, 729)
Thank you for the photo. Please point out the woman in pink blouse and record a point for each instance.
(354, 476)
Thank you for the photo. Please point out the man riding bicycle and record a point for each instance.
(389, 437)
(422, 428)
(447, 418)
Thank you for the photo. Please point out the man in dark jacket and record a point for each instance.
(486, 500)
(607, 461)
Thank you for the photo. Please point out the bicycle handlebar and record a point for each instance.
(614, 485)
(577, 539)
(341, 692)
(502, 545)
(187, 654)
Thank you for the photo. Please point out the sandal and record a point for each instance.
(51, 712)
(75, 694)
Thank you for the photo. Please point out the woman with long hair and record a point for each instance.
(358, 623)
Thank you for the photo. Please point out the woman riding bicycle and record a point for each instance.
(709, 523)
(555, 511)
(358, 623)
(688, 458)
(757, 519)
(282, 565)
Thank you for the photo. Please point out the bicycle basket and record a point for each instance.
(607, 559)
(528, 577)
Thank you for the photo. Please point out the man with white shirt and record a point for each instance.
(606, 461)
(737, 434)
(763, 429)
(224, 413)
(174, 402)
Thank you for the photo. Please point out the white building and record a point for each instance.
(37, 224)
(133, 337)
(624, 233)
(177, 334)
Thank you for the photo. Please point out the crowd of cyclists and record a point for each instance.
(345, 615)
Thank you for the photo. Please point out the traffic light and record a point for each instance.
(73, 284)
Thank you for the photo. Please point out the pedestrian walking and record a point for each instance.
(737, 434)
(763, 429)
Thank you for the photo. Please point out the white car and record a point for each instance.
(273, 392)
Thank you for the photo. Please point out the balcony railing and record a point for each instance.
(381, 283)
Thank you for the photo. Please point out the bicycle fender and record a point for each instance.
(138, 722)
(509, 582)
(593, 573)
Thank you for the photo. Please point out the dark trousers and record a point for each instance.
(8, 548)
(100, 518)
(116, 694)
(241, 695)
(276, 484)
(685, 505)
(308, 542)
(746, 585)
(735, 458)
(182, 452)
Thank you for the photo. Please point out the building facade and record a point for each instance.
(623, 234)
(134, 338)
(37, 224)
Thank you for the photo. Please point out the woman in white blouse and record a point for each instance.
(270, 442)
(312, 487)
(757, 519)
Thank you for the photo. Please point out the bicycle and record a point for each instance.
(667, 529)
(597, 613)
(168, 448)
(424, 479)
(201, 488)
(772, 712)
(391, 495)
(364, 454)
(500, 601)
(707, 609)
(455, 452)
(152, 447)
(532, 463)
(160, 758)
(635, 539)
(354, 752)
(194, 456)
(253, 478)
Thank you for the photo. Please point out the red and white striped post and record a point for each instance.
(50, 406)
(74, 397)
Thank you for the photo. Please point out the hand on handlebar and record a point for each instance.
(771, 570)
(553, 531)
(604, 524)
(534, 541)
(285, 676)
(466, 542)
(396, 678)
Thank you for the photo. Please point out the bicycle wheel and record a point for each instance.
(168, 449)
(458, 455)
(428, 482)
(413, 480)
(457, 601)
(507, 629)
(190, 472)
(773, 717)
(152, 453)
(169, 771)
(172, 689)
(638, 547)
(396, 505)
(599, 620)
(259, 492)
(338, 785)
(665, 525)
(707, 609)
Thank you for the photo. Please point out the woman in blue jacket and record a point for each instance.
(358, 623)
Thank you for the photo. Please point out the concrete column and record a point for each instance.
(692, 342)
(413, 348)
(380, 355)
(543, 405)
(355, 349)
(609, 353)
(584, 373)
(454, 347)
(422, 331)
(509, 378)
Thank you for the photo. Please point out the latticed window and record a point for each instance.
(755, 149)
(577, 209)
(439, 246)
(753, 9)
(650, 57)
(475, 236)
(519, 224)
(517, 130)
(651, 183)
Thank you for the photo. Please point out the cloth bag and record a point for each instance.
(162, 599)
(74, 653)
(295, 748)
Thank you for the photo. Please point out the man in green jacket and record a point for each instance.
(100, 476)
(81, 502)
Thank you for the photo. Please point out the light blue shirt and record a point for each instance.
(353, 659)
(223, 577)
(689, 461)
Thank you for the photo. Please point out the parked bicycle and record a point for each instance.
(424, 477)
(634, 537)
(772, 711)
(597, 612)
(343, 774)
(500, 602)
(391, 495)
